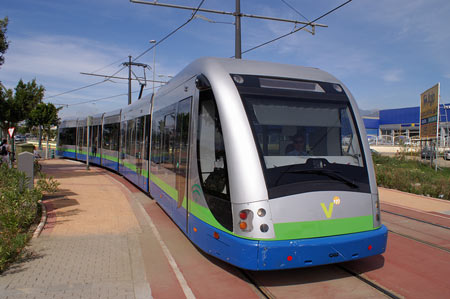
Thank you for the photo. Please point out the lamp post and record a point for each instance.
(154, 54)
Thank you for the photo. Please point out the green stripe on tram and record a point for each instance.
(323, 228)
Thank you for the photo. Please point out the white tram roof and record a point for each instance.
(216, 67)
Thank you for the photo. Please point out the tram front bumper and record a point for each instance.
(300, 253)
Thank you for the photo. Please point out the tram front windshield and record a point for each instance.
(306, 142)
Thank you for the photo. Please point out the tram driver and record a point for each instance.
(297, 147)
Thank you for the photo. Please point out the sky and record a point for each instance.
(386, 52)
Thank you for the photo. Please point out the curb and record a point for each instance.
(41, 225)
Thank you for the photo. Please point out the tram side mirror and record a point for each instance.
(202, 83)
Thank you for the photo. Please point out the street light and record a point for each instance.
(154, 54)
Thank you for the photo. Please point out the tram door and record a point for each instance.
(182, 161)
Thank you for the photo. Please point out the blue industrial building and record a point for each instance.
(403, 122)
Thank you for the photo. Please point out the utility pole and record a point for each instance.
(129, 80)
(237, 14)
(237, 43)
(129, 64)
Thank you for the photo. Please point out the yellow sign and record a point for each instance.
(429, 112)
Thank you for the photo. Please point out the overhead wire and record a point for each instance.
(294, 9)
(171, 33)
(83, 87)
(298, 29)
(112, 63)
(107, 98)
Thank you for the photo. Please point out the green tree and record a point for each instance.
(3, 42)
(44, 116)
(16, 107)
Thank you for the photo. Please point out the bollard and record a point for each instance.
(25, 163)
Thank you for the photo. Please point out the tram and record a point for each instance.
(265, 166)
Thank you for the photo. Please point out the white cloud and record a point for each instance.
(60, 57)
(393, 76)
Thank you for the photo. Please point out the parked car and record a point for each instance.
(19, 138)
(427, 153)
(447, 155)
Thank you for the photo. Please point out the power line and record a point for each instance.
(83, 87)
(293, 8)
(171, 33)
(102, 99)
(298, 29)
(104, 67)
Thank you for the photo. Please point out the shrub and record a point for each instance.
(18, 210)
(411, 176)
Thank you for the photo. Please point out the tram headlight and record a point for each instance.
(264, 228)
(261, 212)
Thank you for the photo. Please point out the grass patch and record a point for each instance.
(411, 176)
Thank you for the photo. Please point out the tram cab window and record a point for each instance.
(321, 129)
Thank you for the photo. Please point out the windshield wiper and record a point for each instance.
(326, 172)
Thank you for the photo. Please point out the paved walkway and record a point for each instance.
(89, 247)
(413, 201)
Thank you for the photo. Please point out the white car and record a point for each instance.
(447, 155)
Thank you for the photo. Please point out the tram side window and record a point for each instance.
(147, 136)
(123, 140)
(115, 137)
(68, 136)
(212, 161)
(106, 141)
(71, 136)
(131, 137)
(139, 136)
(94, 139)
(85, 136)
(211, 150)
(157, 129)
(80, 137)
(168, 141)
(99, 137)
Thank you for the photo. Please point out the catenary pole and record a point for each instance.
(237, 44)
(129, 80)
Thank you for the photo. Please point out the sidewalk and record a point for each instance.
(413, 201)
(89, 247)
